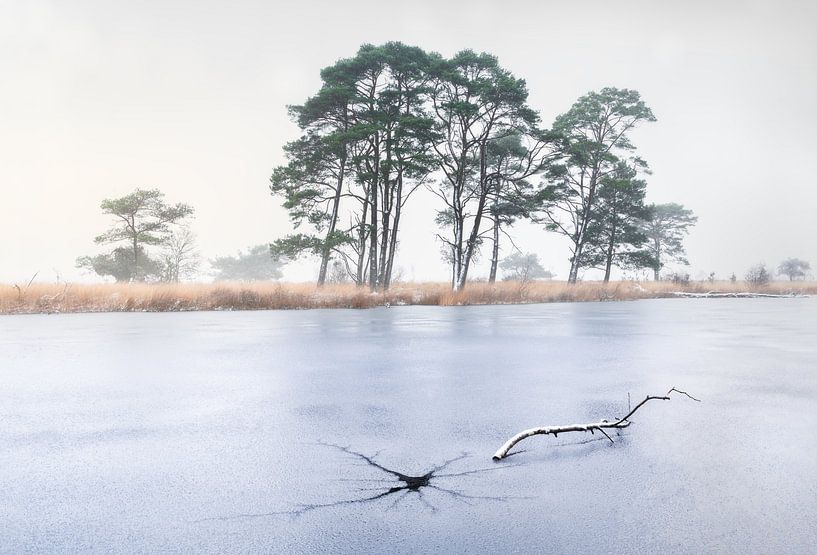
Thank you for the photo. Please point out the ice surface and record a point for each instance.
(156, 432)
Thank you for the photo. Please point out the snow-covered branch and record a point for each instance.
(737, 295)
(592, 427)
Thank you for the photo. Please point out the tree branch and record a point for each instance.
(622, 422)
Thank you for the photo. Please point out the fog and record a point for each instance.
(189, 97)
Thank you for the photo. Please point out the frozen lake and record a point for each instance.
(214, 432)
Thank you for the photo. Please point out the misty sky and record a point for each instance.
(97, 98)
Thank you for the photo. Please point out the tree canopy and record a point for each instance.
(141, 219)
(794, 268)
(393, 119)
(523, 268)
(666, 226)
(615, 234)
(596, 141)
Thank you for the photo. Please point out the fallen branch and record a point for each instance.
(736, 295)
(600, 426)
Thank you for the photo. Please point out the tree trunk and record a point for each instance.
(135, 275)
(324, 265)
(457, 254)
(384, 247)
(495, 252)
(573, 276)
(471, 246)
(373, 231)
(398, 200)
(459, 215)
(387, 202)
(586, 211)
(609, 261)
(392, 248)
(657, 268)
(453, 277)
(360, 274)
(327, 251)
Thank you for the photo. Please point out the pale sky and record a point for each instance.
(98, 98)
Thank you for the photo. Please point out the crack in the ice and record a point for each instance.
(402, 486)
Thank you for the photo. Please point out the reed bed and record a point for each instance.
(163, 297)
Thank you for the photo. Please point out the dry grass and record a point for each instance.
(137, 297)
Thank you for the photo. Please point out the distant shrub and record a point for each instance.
(257, 264)
(679, 278)
(523, 268)
(794, 268)
(337, 273)
(758, 275)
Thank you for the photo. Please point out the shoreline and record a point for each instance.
(59, 298)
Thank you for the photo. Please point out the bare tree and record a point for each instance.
(758, 275)
(180, 257)
(338, 272)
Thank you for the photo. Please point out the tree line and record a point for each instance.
(152, 241)
(394, 119)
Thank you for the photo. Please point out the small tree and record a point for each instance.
(523, 268)
(180, 258)
(142, 219)
(758, 275)
(119, 264)
(615, 234)
(666, 226)
(679, 278)
(596, 132)
(794, 268)
(338, 273)
(511, 160)
(257, 264)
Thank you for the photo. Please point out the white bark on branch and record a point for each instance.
(592, 427)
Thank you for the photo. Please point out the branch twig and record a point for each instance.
(622, 422)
